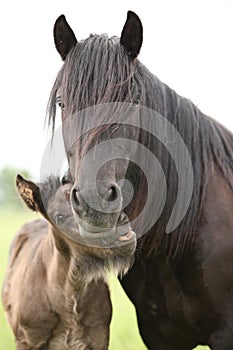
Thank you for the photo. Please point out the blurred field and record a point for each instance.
(124, 331)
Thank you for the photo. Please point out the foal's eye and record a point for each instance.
(59, 219)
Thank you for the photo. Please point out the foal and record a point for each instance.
(55, 293)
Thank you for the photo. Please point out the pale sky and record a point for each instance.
(187, 44)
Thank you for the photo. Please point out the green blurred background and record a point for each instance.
(124, 330)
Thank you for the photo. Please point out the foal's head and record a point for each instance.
(52, 199)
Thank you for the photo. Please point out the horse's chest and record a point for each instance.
(162, 295)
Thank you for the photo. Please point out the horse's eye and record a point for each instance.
(60, 103)
(137, 102)
(59, 219)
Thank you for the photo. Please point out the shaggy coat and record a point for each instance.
(55, 296)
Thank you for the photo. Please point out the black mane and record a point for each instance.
(98, 70)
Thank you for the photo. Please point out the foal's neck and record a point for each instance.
(72, 267)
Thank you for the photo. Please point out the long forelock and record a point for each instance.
(96, 71)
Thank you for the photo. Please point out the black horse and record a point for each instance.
(120, 122)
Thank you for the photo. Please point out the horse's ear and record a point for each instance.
(131, 36)
(30, 193)
(64, 37)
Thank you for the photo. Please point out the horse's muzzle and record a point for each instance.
(105, 200)
(100, 216)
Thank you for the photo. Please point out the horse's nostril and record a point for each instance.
(75, 201)
(111, 194)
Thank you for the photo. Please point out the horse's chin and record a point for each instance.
(97, 261)
(119, 246)
(120, 238)
(109, 250)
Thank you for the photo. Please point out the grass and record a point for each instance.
(124, 333)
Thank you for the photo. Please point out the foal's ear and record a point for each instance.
(30, 193)
(64, 37)
(131, 36)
